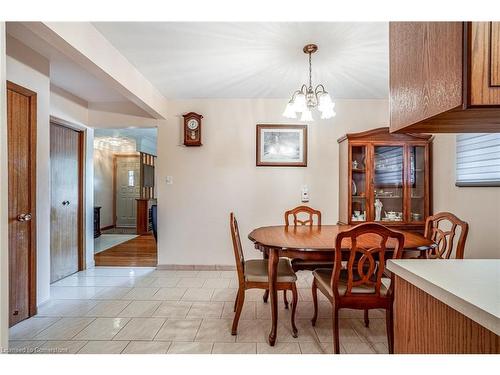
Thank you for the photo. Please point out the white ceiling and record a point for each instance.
(64, 72)
(255, 60)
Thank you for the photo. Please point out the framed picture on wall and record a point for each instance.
(281, 146)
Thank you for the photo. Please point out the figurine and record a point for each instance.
(378, 209)
(355, 164)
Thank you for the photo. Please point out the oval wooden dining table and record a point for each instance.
(316, 243)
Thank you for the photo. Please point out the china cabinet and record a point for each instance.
(385, 178)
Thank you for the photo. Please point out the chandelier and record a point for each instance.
(307, 98)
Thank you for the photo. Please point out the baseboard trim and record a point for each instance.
(107, 227)
(196, 267)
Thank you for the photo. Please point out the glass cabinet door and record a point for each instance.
(388, 183)
(417, 183)
(358, 183)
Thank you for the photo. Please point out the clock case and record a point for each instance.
(187, 139)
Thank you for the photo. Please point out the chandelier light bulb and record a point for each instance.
(289, 111)
(306, 116)
(327, 114)
(300, 102)
(325, 101)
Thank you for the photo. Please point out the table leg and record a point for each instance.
(265, 297)
(273, 275)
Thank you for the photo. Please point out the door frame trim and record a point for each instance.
(82, 135)
(32, 290)
(115, 166)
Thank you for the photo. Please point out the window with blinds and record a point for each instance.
(478, 160)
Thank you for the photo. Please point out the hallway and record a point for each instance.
(139, 251)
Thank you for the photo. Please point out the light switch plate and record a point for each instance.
(304, 196)
(169, 180)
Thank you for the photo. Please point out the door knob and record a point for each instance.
(65, 203)
(24, 217)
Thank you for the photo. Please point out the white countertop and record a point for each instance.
(470, 286)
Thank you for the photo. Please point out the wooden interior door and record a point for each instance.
(65, 178)
(21, 134)
(127, 170)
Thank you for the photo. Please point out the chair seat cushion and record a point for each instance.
(323, 278)
(256, 271)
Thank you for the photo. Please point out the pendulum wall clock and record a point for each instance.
(192, 129)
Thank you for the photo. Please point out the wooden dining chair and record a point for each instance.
(442, 229)
(302, 215)
(254, 274)
(364, 284)
(300, 211)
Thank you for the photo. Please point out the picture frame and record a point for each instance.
(281, 146)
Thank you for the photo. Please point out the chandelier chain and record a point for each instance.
(310, 71)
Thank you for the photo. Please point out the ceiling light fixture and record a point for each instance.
(307, 98)
(115, 144)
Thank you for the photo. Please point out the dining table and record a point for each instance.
(315, 243)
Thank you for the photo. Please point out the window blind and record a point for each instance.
(478, 160)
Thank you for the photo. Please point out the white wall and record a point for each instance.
(103, 185)
(221, 176)
(4, 242)
(29, 69)
(479, 206)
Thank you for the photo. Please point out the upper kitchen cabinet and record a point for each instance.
(445, 77)
(484, 61)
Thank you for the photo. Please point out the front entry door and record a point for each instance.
(21, 138)
(127, 190)
(65, 164)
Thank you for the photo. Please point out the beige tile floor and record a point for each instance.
(144, 310)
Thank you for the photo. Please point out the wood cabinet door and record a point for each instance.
(21, 134)
(65, 154)
(425, 70)
(484, 70)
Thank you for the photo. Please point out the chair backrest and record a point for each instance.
(238, 250)
(366, 264)
(442, 229)
(297, 212)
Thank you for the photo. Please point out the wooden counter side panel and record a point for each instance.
(425, 325)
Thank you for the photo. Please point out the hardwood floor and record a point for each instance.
(138, 252)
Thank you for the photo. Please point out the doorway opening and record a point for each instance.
(124, 197)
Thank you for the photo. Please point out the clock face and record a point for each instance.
(193, 124)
